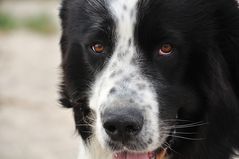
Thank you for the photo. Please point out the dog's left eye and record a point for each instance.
(166, 49)
(98, 48)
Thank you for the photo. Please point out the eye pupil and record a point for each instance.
(166, 49)
(98, 48)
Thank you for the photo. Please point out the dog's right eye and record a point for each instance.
(98, 48)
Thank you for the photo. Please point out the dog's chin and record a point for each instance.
(121, 151)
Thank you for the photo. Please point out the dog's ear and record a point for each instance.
(64, 18)
(228, 40)
(64, 99)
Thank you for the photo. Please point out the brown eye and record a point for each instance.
(98, 48)
(166, 49)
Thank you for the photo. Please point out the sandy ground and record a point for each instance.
(32, 123)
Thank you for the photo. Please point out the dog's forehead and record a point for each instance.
(124, 14)
(123, 6)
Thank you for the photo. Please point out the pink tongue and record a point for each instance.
(126, 155)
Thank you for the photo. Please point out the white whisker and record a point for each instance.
(186, 138)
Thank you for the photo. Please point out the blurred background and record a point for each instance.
(32, 124)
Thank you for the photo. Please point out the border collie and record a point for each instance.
(152, 79)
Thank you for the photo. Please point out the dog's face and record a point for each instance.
(134, 67)
(137, 61)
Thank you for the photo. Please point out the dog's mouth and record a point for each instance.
(158, 154)
(129, 155)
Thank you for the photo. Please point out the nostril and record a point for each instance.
(110, 128)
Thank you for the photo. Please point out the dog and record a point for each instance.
(151, 79)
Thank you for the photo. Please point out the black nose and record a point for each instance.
(122, 124)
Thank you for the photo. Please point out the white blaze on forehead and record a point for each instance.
(124, 14)
(124, 11)
(122, 72)
(121, 82)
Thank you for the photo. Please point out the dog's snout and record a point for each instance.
(122, 124)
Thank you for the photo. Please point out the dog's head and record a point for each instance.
(137, 73)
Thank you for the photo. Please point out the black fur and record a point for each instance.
(202, 77)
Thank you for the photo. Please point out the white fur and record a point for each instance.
(93, 151)
(124, 13)
(237, 156)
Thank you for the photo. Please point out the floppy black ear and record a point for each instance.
(228, 40)
(221, 81)
(72, 86)
(64, 99)
(221, 102)
(63, 18)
